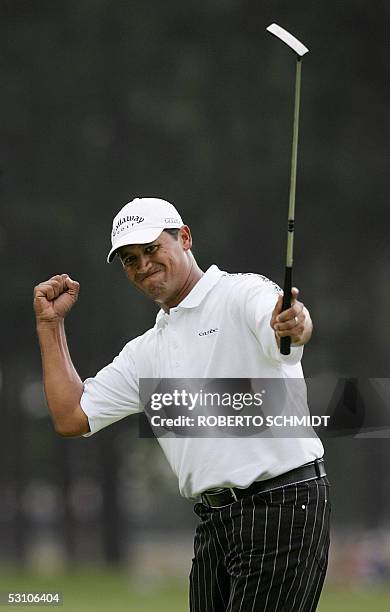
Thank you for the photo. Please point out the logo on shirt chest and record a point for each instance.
(208, 332)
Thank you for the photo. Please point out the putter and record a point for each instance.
(300, 51)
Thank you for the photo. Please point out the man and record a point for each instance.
(263, 539)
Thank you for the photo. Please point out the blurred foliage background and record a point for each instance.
(103, 101)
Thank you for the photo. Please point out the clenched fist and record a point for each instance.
(54, 298)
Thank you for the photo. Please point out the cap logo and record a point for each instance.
(169, 220)
(129, 220)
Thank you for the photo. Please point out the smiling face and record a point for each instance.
(164, 269)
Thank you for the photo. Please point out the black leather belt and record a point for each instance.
(216, 498)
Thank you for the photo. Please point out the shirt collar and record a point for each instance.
(197, 293)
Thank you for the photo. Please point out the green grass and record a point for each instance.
(100, 591)
(111, 590)
(370, 599)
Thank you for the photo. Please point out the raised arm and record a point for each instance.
(53, 299)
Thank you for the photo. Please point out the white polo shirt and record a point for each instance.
(220, 330)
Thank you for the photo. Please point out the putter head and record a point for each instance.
(288, 39)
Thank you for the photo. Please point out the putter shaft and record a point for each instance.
(285, 342)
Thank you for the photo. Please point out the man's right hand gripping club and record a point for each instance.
(53, 299)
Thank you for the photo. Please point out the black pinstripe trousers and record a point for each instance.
(267, 552)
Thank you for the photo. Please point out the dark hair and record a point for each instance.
(173, 231)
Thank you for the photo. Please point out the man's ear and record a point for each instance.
(185, 237)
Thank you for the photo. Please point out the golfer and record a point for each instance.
(263, 502)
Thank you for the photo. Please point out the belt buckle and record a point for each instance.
(205, 497)
(205, 501)
(319, 468)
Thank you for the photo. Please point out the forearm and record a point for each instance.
(62, 384)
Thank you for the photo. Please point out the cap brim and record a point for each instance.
(137, 237)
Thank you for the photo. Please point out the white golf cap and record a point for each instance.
(141, 221)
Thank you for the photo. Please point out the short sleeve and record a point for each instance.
(260, 299)
(113, 393)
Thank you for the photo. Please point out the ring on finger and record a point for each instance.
(296, 320)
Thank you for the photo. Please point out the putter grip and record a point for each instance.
(285, 342)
